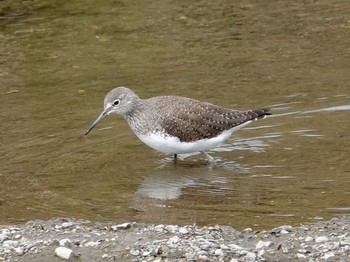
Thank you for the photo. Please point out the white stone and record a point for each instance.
(67, 225)
(174, 240)
(218, 252)
(64, 241)
(284, 232)
(121, 226)
(328, 255)
(262, 244)
(285, 249)
(204, 247)
(236, 247)
(92, 244)
(3, 237)
(234, 260)
(309, 239)
(261, 253)
(203, 258)
(247, 230)
(301, 255)
(5, 231)
(224, 247)
(159, 228)
(250, 257)
(183, 230)
(134, 252)
(202, 253)
(171, 228)
(9, 243)
(189, 256)
(104, 256)
(321, 239)
(146, 253)
(19, 250)
(63, 252)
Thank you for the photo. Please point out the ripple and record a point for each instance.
(329, 109)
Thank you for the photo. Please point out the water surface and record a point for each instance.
(58, 60)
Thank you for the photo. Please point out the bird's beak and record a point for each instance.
(101, 117)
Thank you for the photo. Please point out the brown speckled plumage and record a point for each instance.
(191, 120)
(187, 119)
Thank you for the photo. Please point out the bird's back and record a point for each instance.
(192, 120)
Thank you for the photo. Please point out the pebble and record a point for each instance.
(189, 256)
(171, 228)
(309, 239)
(250, 257)
(64, 241)
(121, 226)
(92, 243)
(154, 251)
(283, 232)
(235, 247)
(135, 252)
(328, 255)
(218, 252)
(183, 230)
(19, 250)
(3, 237)
(203, 258)
(66, 225)
(262, 244)
(63, 252)
(159, 228)
(321, 239)
(10, 243)
(146, 253)
(174, 240)
(247, 230)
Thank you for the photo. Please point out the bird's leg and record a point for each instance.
(209, 157)
(175, 158)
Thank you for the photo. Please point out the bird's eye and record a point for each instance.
(116, 102)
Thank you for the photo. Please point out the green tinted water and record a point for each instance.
(58, 60)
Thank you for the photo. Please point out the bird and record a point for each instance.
(175, 124)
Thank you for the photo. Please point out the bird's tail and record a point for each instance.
(259, 113)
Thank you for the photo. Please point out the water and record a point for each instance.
(58, 60)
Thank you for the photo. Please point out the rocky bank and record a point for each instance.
(78, 240)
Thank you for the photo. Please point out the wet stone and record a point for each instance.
(121, 226)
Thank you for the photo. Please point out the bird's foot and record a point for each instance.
(209, 157)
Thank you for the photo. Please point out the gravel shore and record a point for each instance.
(77, 240)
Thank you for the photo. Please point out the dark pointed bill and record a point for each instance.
(102, 116)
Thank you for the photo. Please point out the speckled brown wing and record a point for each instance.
(196, 120)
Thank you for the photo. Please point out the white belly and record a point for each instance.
(173, 145)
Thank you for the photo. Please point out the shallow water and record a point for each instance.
(59, 60)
